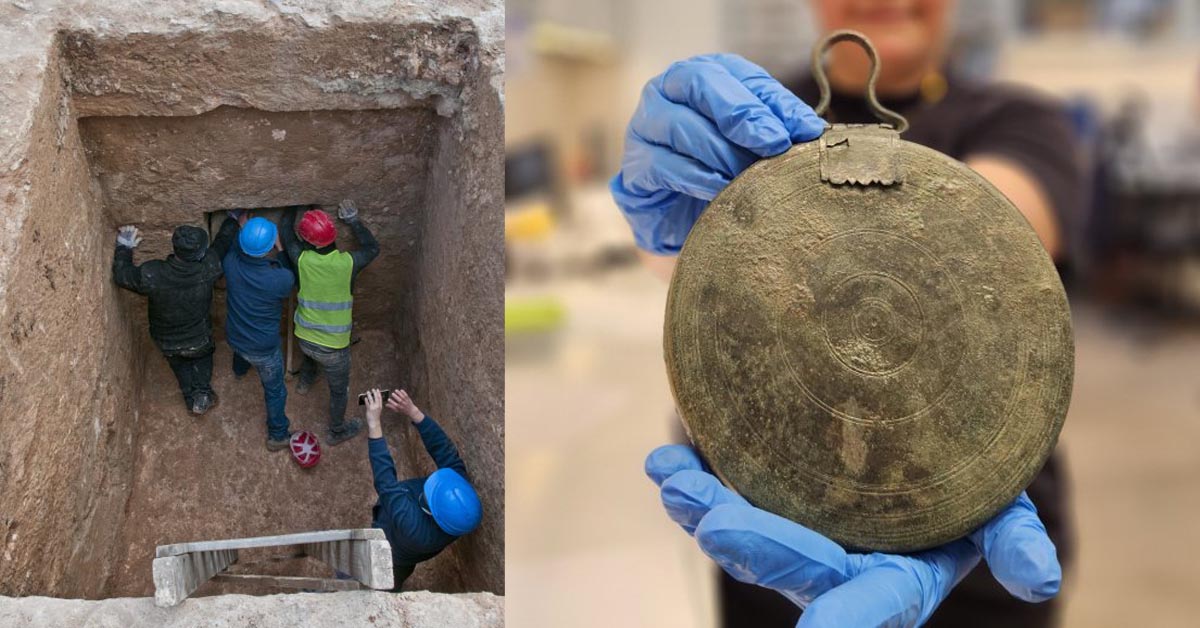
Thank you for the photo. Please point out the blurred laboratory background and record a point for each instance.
(587, 395)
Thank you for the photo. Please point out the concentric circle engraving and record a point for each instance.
(870, 291)
(888, 365)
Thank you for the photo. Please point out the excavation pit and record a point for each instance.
(159, 126)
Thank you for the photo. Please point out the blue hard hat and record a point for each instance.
(452, 502)
(257, 237)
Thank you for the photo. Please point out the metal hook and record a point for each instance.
(884, 114)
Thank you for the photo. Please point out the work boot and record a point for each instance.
(204, 402)
(351, 429)
(279, 445)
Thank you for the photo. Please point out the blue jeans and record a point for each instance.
(336, 364)
(270, 372)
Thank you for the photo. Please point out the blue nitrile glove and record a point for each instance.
(837, 588)
(699, 125)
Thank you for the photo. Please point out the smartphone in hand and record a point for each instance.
(362, 398)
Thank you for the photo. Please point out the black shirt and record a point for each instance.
(973, 119)
(180, 293)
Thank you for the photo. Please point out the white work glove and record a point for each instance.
(128, 237)
(347, 211)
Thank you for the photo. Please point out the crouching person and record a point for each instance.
(420, 516)
(180, 291)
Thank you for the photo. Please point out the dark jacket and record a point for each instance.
(414, 535)
(255, 288)
(294, 246)
(180, 293)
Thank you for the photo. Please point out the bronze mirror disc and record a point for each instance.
(864, 336)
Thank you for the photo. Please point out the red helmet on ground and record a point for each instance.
(317, 229)
(305, 449)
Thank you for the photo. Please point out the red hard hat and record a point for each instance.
(317, 229)
(305, 449)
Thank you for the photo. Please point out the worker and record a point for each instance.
(323, 315)
(705, 120)
(420, 516)
(180, 290)
(256, 286)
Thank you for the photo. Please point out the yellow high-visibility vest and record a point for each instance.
(323, 314)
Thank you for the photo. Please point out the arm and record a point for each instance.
(285, 281)
(125, 273)
(1012, 179)
(382, 467)
(1015, 182)
(393, 496)
(1025, 147)
(436, 442)
(439, 445)
(225, 236)
(287, 236)
(368, 246)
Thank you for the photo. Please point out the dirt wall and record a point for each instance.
(458, 308)
(69, 377)
(159, 172)
(279, 66)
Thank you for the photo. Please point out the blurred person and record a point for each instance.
(420, 516)
(180, 291)
(323, 312)
(255, 287)
(705, 120)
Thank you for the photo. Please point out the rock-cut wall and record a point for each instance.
(69, 368)
(458, 305)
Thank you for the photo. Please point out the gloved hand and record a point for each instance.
(240, 215)
(699, 125)
(128, 237)
(837, 588)
(347, 211)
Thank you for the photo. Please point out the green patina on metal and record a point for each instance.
(866, 337)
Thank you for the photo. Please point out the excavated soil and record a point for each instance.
(211, 477)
